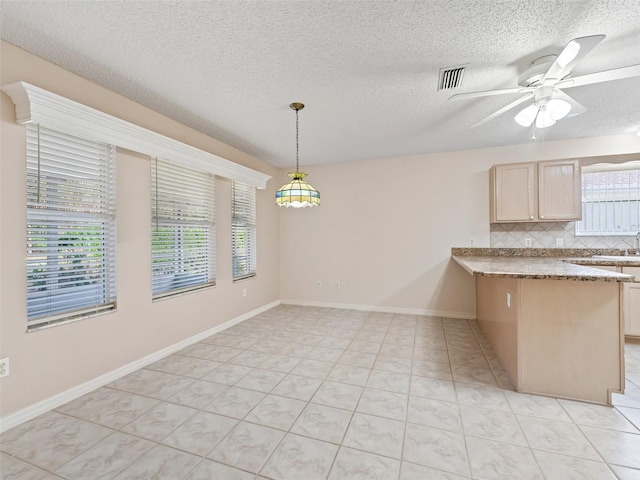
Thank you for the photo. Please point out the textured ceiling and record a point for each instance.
(366, 70)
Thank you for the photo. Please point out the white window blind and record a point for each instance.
(610, 203)
(71, 233)
(243, 230)
(183, 233)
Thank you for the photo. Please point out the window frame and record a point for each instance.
(243, 221)
(70, 186)
(618, 201)
(185, 198)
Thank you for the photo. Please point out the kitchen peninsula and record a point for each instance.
(554, 323)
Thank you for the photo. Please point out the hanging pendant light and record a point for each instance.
(297, 193)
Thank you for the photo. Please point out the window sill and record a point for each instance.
(65, 321)
(166, 296)
(246, 277)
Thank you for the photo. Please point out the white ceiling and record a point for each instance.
(366, 70)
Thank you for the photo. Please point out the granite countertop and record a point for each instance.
(606, 260)
(536, 267)
(534, 252)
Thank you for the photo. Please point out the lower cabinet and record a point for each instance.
(559, 338)
(631, 300)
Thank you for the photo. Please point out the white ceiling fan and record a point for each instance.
(545, 81)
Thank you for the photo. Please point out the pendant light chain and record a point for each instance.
(297, 141)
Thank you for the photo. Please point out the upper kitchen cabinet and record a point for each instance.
(513, 193)
(535, 192)
(559, 186)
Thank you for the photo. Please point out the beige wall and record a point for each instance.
(50, 361)
(385, 227)
(384, 230)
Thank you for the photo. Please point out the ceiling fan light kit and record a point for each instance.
(544, 82)
(558, 109)
(544, 119)
(527, 115)
(545, 113)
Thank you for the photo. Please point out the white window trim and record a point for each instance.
(34, 104)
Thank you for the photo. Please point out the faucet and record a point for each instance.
(638, 243)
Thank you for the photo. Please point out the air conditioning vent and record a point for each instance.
(450, 77)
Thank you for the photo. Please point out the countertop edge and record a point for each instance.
(585, 273)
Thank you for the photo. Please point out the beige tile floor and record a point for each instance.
(310, 393)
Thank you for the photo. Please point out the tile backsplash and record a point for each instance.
(545, 235)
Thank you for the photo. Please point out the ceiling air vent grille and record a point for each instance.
(450, 77)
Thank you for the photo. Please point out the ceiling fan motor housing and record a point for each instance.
(543, 94)
(533, 75)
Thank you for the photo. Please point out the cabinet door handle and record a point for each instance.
(541, 216)
(531, 217)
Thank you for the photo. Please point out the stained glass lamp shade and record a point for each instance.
(297, 193)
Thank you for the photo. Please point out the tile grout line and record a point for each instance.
(455, 388)
(298, 330)
(520, 429)
(298, 416)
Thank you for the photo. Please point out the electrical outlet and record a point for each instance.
(527, 242)
(4, 367)
(559, 242)
(471, 243)
(319, 283)
(244, 292)
(338, 284)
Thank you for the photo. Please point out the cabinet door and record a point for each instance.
(513, 193)
(631, 303)
(559, 185)
(632, 309)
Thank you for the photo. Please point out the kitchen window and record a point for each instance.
(183, 229)
(71, 230)
(610, 201)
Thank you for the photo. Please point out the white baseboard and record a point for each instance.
(55, 401)
(385, 309)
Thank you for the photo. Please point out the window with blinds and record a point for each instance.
(71, 231)
(243, 230)
(610, 203)
(183, 229)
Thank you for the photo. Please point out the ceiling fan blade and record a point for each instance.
(488, 93)
(575, 51)
(504, 109)
(599, 77)
(576, 107)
